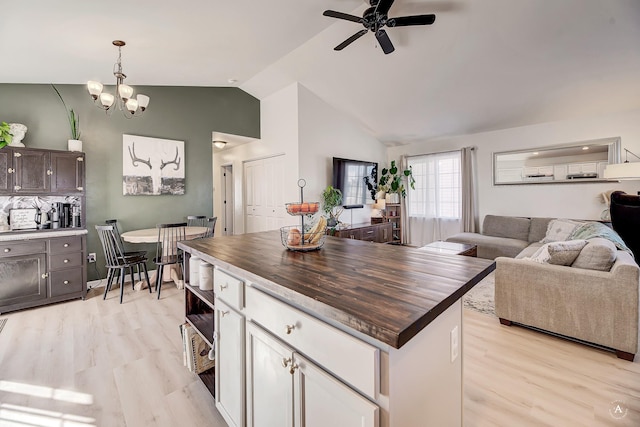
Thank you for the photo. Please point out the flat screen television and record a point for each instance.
(349, 177)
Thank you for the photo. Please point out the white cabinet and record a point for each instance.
(285, 389)
(229, 344)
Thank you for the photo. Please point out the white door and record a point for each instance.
(227, 200)
(264, 200)
(321, 400)
(269, 382)
(230, 381)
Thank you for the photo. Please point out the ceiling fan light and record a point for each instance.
(125, 91)
(143, 101)
(132, 105)
(94, 88)
(106, 99)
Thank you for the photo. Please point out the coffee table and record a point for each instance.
(451, 248)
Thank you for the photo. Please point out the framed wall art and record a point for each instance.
(152, 166)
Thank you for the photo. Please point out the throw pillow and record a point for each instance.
(599, 254)
(541, 255)
(565, 253)
(559, 229)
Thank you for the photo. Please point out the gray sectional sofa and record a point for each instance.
(593, 299)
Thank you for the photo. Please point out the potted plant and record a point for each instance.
(392, 182)
(74, 123)
(331, 200)
(5, 134)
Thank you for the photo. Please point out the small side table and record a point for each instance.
(450, 248)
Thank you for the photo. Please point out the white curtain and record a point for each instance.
(435, 206)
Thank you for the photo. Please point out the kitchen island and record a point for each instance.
(356, 333)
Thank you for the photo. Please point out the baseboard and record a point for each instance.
(101, 283)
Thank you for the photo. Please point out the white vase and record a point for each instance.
(392, 198)
(74, 145)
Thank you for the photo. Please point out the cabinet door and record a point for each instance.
(23, 279)
(67, 172)
(6, 170)
(32, 173)
(321, 400)
(269, 383)
(230, 381)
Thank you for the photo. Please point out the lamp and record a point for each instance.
(623, 171)
(219, 144)
(123, 97)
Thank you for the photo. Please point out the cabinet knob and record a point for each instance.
(66, 245)
(45, 275)
(7, 250)
(16, 154)
(11, 170)
(49, 172)
(224, 313)
(223, 286)
(66, 282)
(288, 329)
(17, 188)
(286, 361)
(79, 188)
(65, 261)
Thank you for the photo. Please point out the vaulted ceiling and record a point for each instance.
(483, 65)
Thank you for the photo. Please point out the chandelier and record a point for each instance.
(123, 97)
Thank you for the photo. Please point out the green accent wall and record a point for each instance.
(187, 114)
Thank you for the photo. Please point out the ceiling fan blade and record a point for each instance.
(385, 42)
(404, 21)
(351, 39)
(340, 15)
(383, 7)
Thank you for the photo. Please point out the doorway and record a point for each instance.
(227, 200)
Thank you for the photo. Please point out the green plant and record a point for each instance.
(332, 199)
(74, 119)
(391, 180)
(5, 134)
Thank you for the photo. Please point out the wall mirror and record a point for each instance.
(582, 161)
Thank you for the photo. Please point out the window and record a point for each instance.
(437, 191)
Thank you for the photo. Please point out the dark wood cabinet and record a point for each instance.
(23, 274)
(379, 233)
(67, 172)
(32, 173)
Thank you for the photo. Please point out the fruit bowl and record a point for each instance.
(305, 208)
(293, 239)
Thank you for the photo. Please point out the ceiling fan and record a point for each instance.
(374, 19)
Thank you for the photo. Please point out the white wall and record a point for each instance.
(579, 200)
(279, 135)
(325, 133)
(309, 132)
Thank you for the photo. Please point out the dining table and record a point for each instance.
(150, 235)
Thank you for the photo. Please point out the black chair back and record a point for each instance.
(110, 245)
(625, 219)
(197, 221)
(211, 227)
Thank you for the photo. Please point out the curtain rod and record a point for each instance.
(441, 152)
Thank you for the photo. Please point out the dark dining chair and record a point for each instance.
(197, 221)
(167, 252)
(116, 230)
(625, 219)
(117, 262)
(211, 227)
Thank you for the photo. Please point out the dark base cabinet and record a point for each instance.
(379, 233)
(42, 271)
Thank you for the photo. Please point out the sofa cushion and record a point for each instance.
(506, 226)
(529, 250)
(598, 254)
(558, 253)
(559, 229)
(538, 228)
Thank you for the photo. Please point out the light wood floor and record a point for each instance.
(99, 363)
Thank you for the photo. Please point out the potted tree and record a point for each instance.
(5, 134)
(331, 201)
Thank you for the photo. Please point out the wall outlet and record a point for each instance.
(91, 257)
(454, 344)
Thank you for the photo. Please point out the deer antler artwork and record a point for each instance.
(134, 158)
(175, 161)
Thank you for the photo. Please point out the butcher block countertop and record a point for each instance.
(387, 292)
